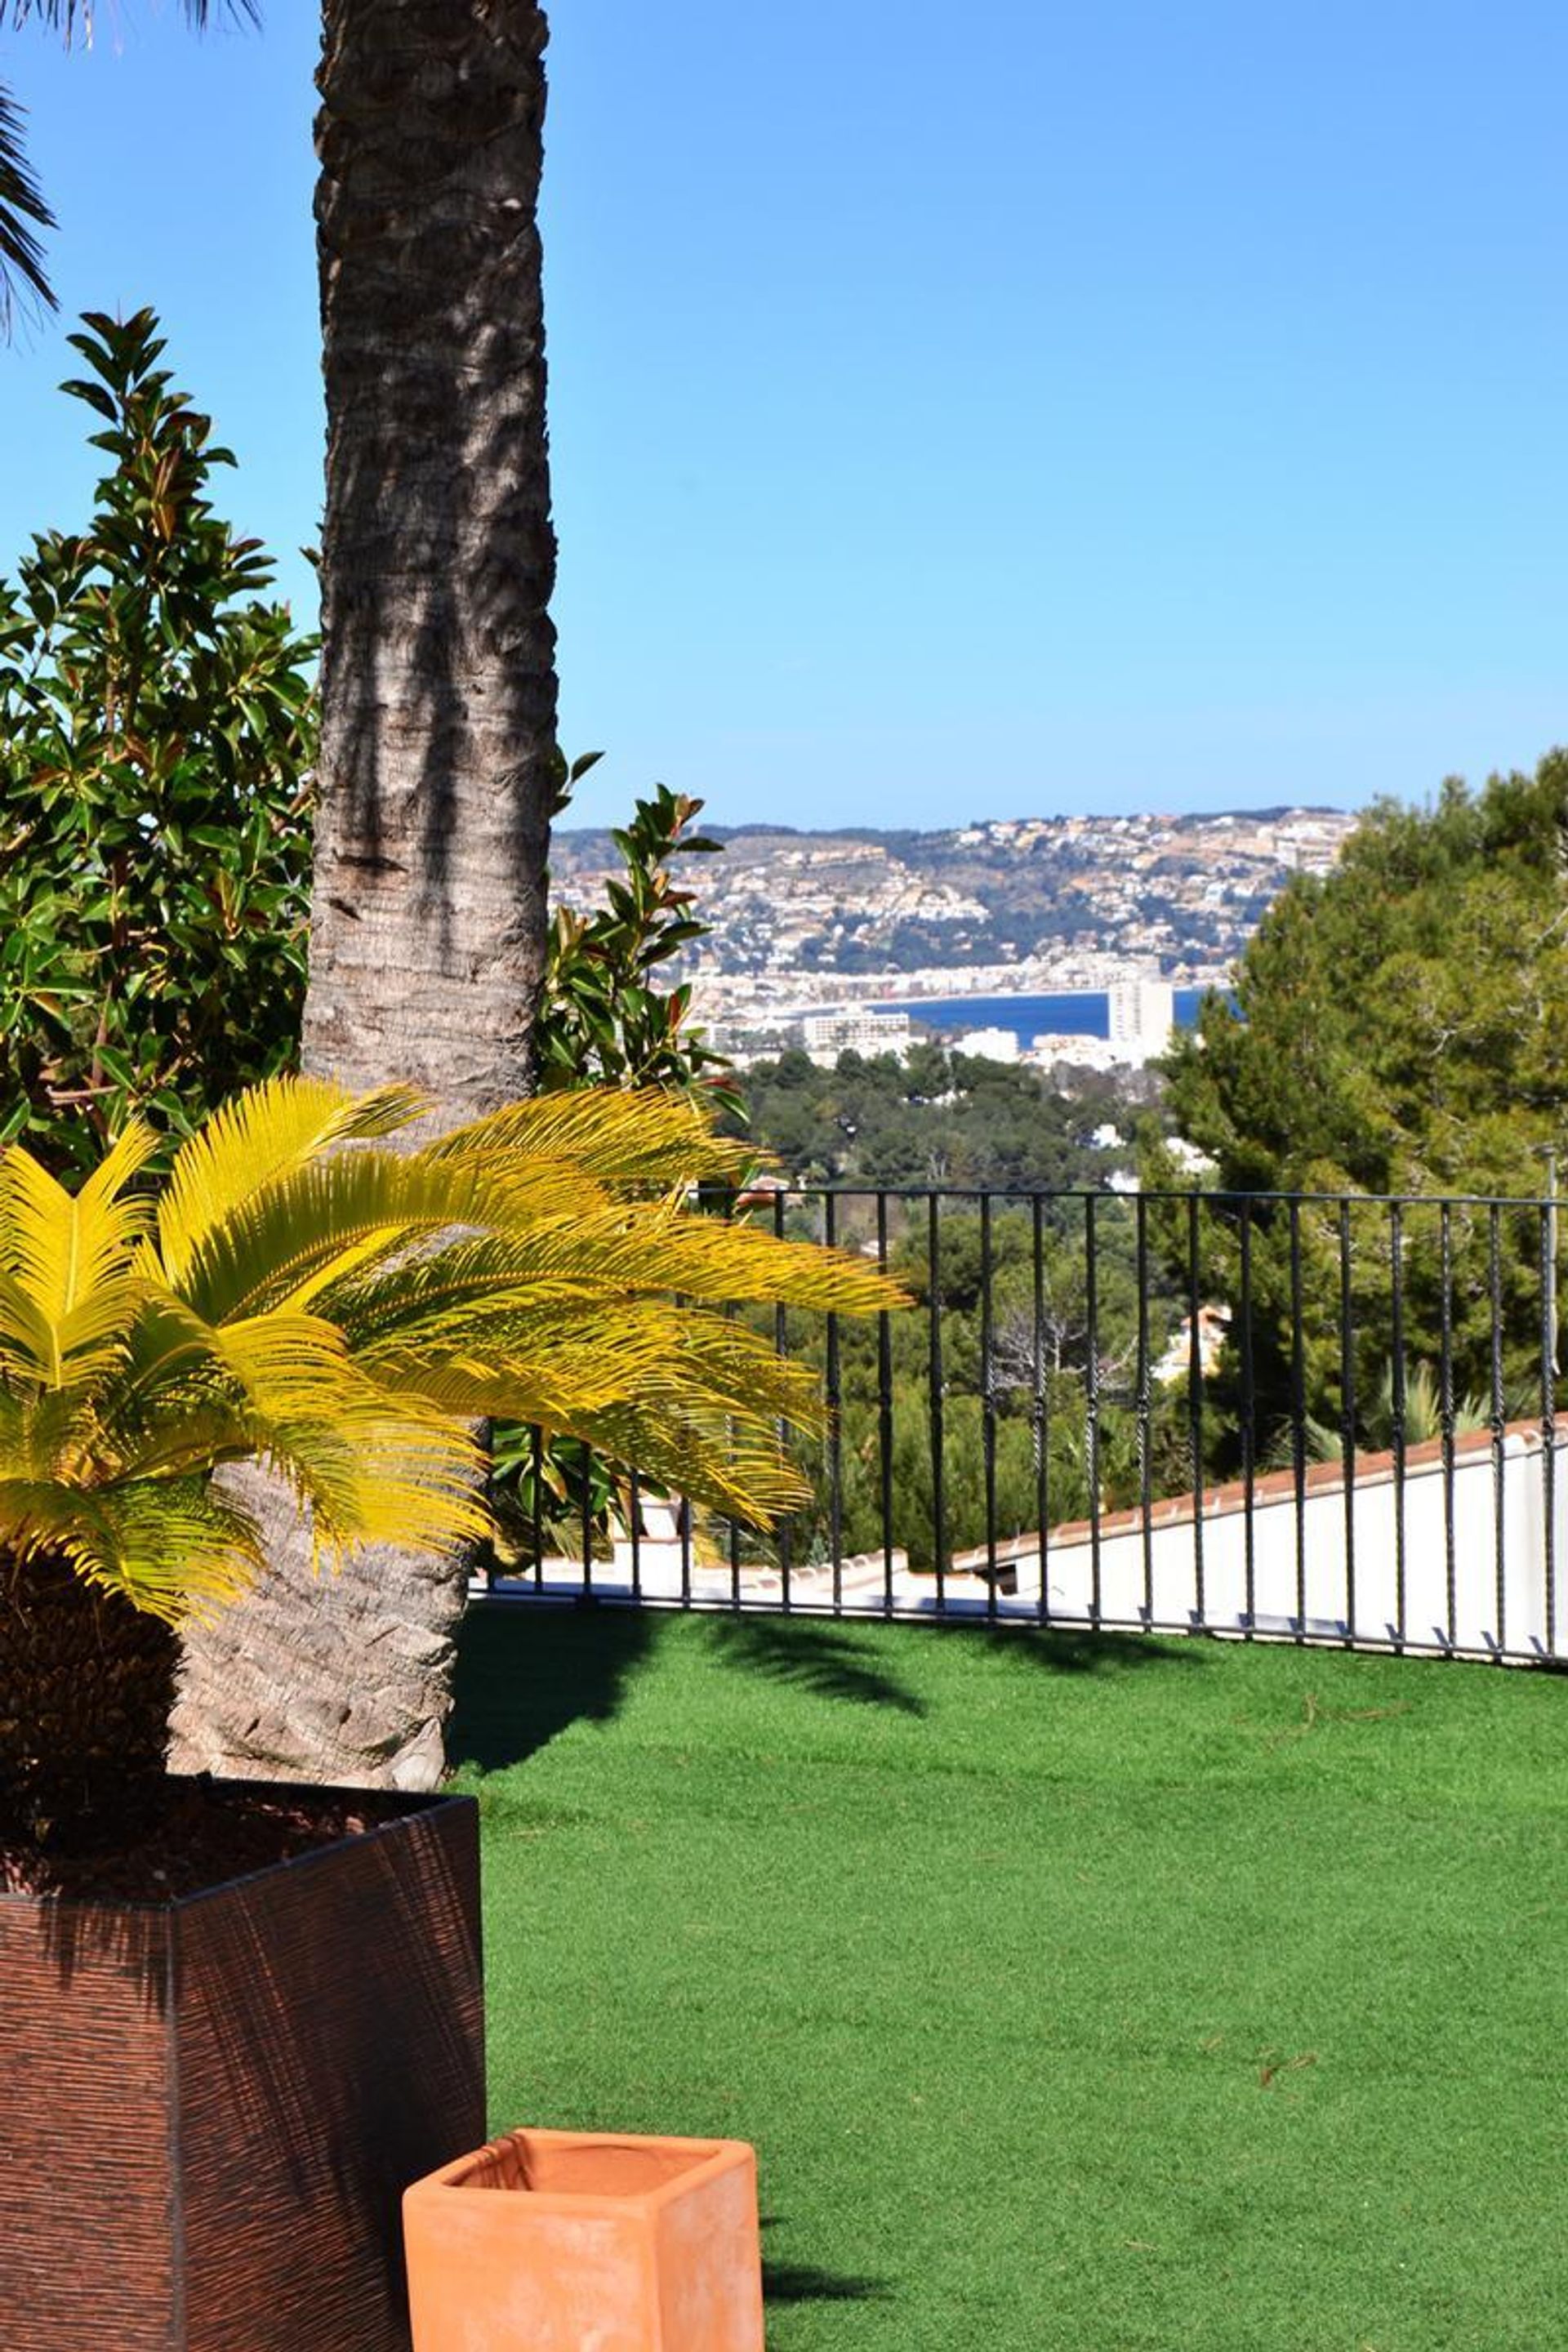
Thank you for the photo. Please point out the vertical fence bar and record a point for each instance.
(683, 1518)
(492, 1566)
(1347, 1412)
(585, 1508)
(1091, 1401)
(885, 1415)
(1398, 1400)
(988, 1403)
(733, 1525)
(938, 1488)
(781, 1342)
(536, 1462)
(1498, 1418)
(1248, 1424)
(1445, 1411)
(1145, 1409)
(1040, 1409)
(633, 1510)
(835, 1428)
(1195, 1407)
(1549, 1409)
(1299, 1419)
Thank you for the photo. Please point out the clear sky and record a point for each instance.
(972, 412)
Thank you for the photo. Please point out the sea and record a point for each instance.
(1075, 1013)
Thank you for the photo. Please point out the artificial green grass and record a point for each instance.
(1075, 1991)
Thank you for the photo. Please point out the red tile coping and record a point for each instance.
(1269, 1488)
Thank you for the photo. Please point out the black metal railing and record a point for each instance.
(1315, 1417)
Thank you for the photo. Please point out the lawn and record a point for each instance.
(1075, 1992)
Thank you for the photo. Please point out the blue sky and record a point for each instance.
(971, 413)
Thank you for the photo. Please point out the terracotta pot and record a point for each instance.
(209, 2108)
(550, 2242)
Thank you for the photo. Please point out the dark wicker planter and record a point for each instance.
(209, 2109)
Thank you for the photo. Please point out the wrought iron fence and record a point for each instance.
(1311, 1417)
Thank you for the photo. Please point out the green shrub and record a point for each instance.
(156, 731)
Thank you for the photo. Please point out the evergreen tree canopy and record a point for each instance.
(1400, 1025)
(934, 1117)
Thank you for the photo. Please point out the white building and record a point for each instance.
(989, 1045)
(1083, 1053)
(826, 1036)
(1142, 1014)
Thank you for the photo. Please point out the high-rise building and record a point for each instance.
(1142, 1014)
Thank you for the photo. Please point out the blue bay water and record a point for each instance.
(1075, 1013)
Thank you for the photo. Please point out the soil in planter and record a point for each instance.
(196, 1834)
(87, 1811)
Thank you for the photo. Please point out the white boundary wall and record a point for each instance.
(1302, 1550)
(1502, 1600)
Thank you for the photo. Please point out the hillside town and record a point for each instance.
(811, 925)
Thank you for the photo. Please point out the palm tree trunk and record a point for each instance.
(438, 558)
(86, 1686)
(437, 739)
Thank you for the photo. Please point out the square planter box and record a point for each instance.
(209, 2108)
(554, 2241)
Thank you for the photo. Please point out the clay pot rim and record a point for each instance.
(711, 2158)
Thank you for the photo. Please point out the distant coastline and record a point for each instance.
(1069, 1013)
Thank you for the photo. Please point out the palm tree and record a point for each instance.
(23, 211)
(437, 712)
(300, 1289)
(437, 760)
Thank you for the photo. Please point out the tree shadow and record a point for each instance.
(1083, 1650)
(825, 1661)
(525, 1674)
(803, 2282)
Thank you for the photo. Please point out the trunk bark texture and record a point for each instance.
(86, 1686)
(438, 735)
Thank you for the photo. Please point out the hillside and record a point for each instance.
(1054, 900)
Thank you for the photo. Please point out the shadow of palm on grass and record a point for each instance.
(825, 1661)
(525, 1676)
(1080, 1650)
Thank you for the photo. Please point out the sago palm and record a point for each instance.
(299, 1291)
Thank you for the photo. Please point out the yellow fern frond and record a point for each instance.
(135, 1145)
(710, 1259)
(615, 1253)
(67, 1262)
(742, 1471)
(552, 1363)
(385, 1469)
(174, 1548)
(53, 1433)
(317, 1224)
(256, 1139)
(645, 1138)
